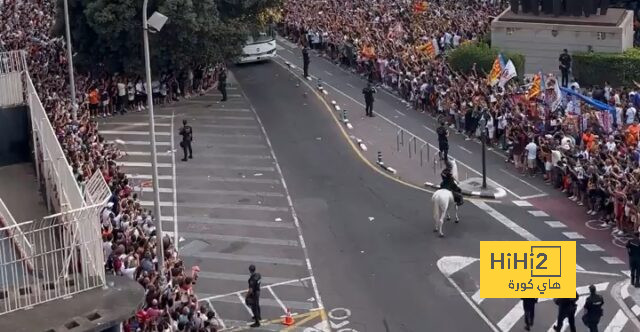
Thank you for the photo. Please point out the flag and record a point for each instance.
(368, 51)
(496, 70)
(536, 87)
(428, 48)
(508, 73)
(420, 7)
(637, 84)
(558, 94)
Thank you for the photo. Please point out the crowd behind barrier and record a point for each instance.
(590, 154)
(128, 230)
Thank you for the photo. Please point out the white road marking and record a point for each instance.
(579, 304)
(618, 322)
(635, 309)
(293, 212)
(135, 124)
(146, 154)
(537, 213)
(400, 113)
(522, 203)
(521, 180)
(217, 315)
(592, 247)
(429, 130)
(600, 287)
(612, 260)
(510, 224)
(275, 297)
(141, 164)
(448, 266)
(148, 177)
(145, 143)
(476, 297)
(173, 172)
(512, 317)
(349, 85)
(328, 73)
(627, 273)
(131, 132)
(465, 149)
(290, 51)
(555, 224)
(533, 196)
(573, 235)
(244, 304)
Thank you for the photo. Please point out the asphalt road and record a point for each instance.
(370, 238)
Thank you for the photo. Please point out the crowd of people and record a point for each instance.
(128, 229)
(590, 154)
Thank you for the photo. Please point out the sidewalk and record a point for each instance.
(400, 153)
(631, 297)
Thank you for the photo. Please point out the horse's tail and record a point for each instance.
(436, 207)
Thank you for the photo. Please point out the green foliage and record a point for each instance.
(463, 57)
(197, 32)
(596, 68)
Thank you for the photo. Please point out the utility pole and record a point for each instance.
(72, 82)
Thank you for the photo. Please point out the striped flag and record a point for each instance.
(428, 49)
(420, 7)
(536, 87)
(498, 66)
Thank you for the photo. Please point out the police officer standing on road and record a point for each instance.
(305, 61)
(368, 93)
(593, 309)
(443, 141)
(633, 249)
(187, 137)
(566, 309)
(253, 295)
(222, 83)
(529, 306)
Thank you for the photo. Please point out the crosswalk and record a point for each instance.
(508, 315)
(228, 206)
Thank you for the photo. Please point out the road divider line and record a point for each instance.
(429, 129)
(465, 149)
(511, 318)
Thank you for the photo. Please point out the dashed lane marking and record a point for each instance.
(592, 247)
(555, 224)
(522, 203)
(612, 260)
(573, 235)
(537, 213)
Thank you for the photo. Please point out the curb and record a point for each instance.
(628, 300)
(498, 193)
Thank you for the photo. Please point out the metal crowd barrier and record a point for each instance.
(12, 68)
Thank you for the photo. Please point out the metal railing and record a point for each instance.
(19, 239)
(13, 66)
(66, 260)
(52, 169)
(96, 190)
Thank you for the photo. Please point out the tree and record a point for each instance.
(197, 33)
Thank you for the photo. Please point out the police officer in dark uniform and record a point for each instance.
(305, 61)
(253, 295)
(593, 309)
(449, 183)
(565, 66)
(566, 309)
(443, 141)
(368, 93)
(633, 249)
(529, 306)
(222, 83)
(515, 6)
(187, 137)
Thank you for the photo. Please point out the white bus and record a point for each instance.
(260, 46)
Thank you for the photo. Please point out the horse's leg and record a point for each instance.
(436, 215)
(457, 218)
(441, 220)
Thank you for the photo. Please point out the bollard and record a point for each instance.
(415, 145)
(421, 151)
(428, 152)
(379, 157)
(435, 162)
(344, 115)
(402, 136)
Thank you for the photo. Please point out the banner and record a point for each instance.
(508, 73)
(527, 269)
(594, 103)
(536, 87)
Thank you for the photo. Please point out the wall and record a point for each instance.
(14, 135)
(536, 41)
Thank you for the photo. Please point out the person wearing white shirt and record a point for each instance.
(456, 40)
(611, 145)
(631, 114)
(532, 154)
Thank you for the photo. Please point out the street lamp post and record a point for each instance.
(72, 82)
(152, 133)
(483, 136)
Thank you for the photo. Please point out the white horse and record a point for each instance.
(442, 200)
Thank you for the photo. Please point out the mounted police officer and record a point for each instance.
(449, 183)
(252, 298)
(633, 249)
(593, 309)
